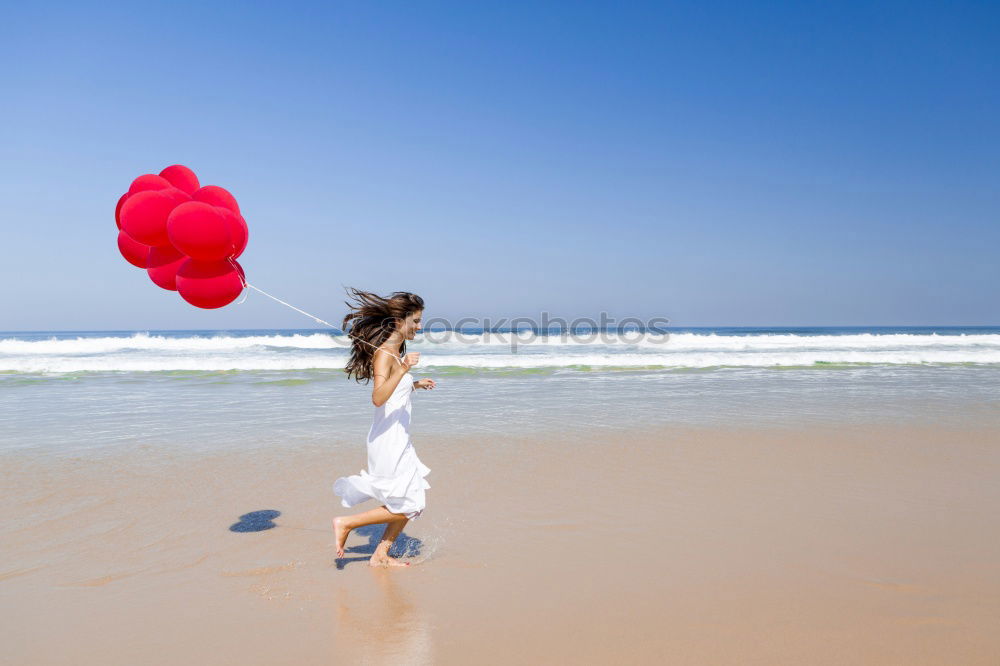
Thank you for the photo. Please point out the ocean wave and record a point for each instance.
(858, 341)
(462, 352)
(450, 341)
(258, 362)
(146, 342)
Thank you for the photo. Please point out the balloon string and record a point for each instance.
(246, 294)
(317, 319)
(289, 305)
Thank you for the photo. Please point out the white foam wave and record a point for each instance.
(711, 360)
(452, 341)
(860, 341)
(147, 353)
(56, 364)
(215, 362)
(714, 342)
(145, 342)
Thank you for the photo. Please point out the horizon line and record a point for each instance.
(337, 330)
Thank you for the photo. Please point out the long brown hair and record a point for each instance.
(369, 322)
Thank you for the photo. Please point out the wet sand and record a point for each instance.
(819, 545)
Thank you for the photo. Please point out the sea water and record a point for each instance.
(66, 392)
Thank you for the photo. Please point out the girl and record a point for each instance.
(379, 328)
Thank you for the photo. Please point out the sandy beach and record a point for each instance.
(824, 545)
(690, 309)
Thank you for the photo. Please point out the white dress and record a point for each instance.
(395, 476)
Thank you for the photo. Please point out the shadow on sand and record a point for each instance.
(256, 521)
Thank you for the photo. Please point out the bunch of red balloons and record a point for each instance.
(186, 236)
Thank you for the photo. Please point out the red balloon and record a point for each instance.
(162, 265)
(237, 230)
(217, 196)
(118, 210)
(210, 284)
(148, 182)
(198, 230)
(246, 237)
(144, 215)
(134, 252)
(181, 177)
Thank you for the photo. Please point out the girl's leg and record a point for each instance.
(343, 525)
(380, 558)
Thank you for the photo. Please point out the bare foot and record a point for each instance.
(340, 533)
(386, 561)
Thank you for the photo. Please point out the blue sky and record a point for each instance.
(712, 163)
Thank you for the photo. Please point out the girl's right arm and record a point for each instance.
(388, 374)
